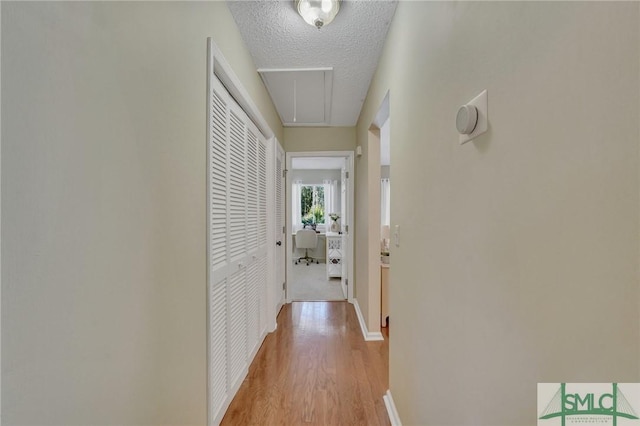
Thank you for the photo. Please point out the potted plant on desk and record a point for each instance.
(334, 222)
(307, 221)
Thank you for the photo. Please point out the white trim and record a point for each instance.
(268, 70)
(349, 155)
(368, 335)
(392, 412)
(275, 320)
(383, 112)
(0, 263)
(208, 242)
(232, 83)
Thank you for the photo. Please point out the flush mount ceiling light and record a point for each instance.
(318, 12)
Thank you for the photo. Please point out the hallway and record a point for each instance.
(315, 369)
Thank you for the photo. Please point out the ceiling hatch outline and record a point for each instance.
(302, 96)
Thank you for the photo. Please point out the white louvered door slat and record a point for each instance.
(237, 185)
(218, 241)
(218, 181)
(253, 231)
(218, 351)
(262, 291)
(236, 331)
(262, 184)
(253, 308)
(262, 233)
(252, 190)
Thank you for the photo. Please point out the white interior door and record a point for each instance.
(344, 228)
(280, 179)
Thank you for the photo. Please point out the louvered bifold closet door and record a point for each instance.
(253, 297)
(237, 246)
(262, 232)
(218, 245)
(238, 185)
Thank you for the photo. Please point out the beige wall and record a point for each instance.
(367, 231)
(104, 212)
(518, 257)
(298, 139)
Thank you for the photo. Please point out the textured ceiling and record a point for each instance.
(277, 37)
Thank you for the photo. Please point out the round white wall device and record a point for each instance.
(466, 119)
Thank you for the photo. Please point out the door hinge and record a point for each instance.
(346, 282)
(346, 229)
(284, 173)
(283, 286)
(283, 230)
(346, 175)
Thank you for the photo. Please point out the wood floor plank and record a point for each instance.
(315, 369)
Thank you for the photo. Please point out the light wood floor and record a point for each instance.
(315, 369)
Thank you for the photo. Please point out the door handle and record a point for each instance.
(278, 243)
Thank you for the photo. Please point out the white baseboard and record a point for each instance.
(368, 335)
(394, 418)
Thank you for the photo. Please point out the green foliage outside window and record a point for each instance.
(312, 204)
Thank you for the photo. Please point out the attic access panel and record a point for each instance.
(302, 97)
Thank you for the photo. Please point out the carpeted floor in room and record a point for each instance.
(308, 283)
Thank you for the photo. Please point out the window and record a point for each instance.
(385, 198)
(312, 204)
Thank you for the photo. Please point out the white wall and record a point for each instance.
(518, 257)
(315, 176)
(103, 208)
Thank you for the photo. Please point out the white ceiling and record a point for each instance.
(311, 89)
(317, 163)
(278, 38)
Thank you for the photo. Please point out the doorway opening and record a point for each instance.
(385, 220)
(319, 206)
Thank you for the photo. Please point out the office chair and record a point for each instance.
(306, 239)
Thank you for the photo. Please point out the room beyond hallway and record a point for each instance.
(315, 369)
(310, 283)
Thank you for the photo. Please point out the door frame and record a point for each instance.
(276, 291)
(349, 155)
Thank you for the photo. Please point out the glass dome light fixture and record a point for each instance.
(318, 12)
